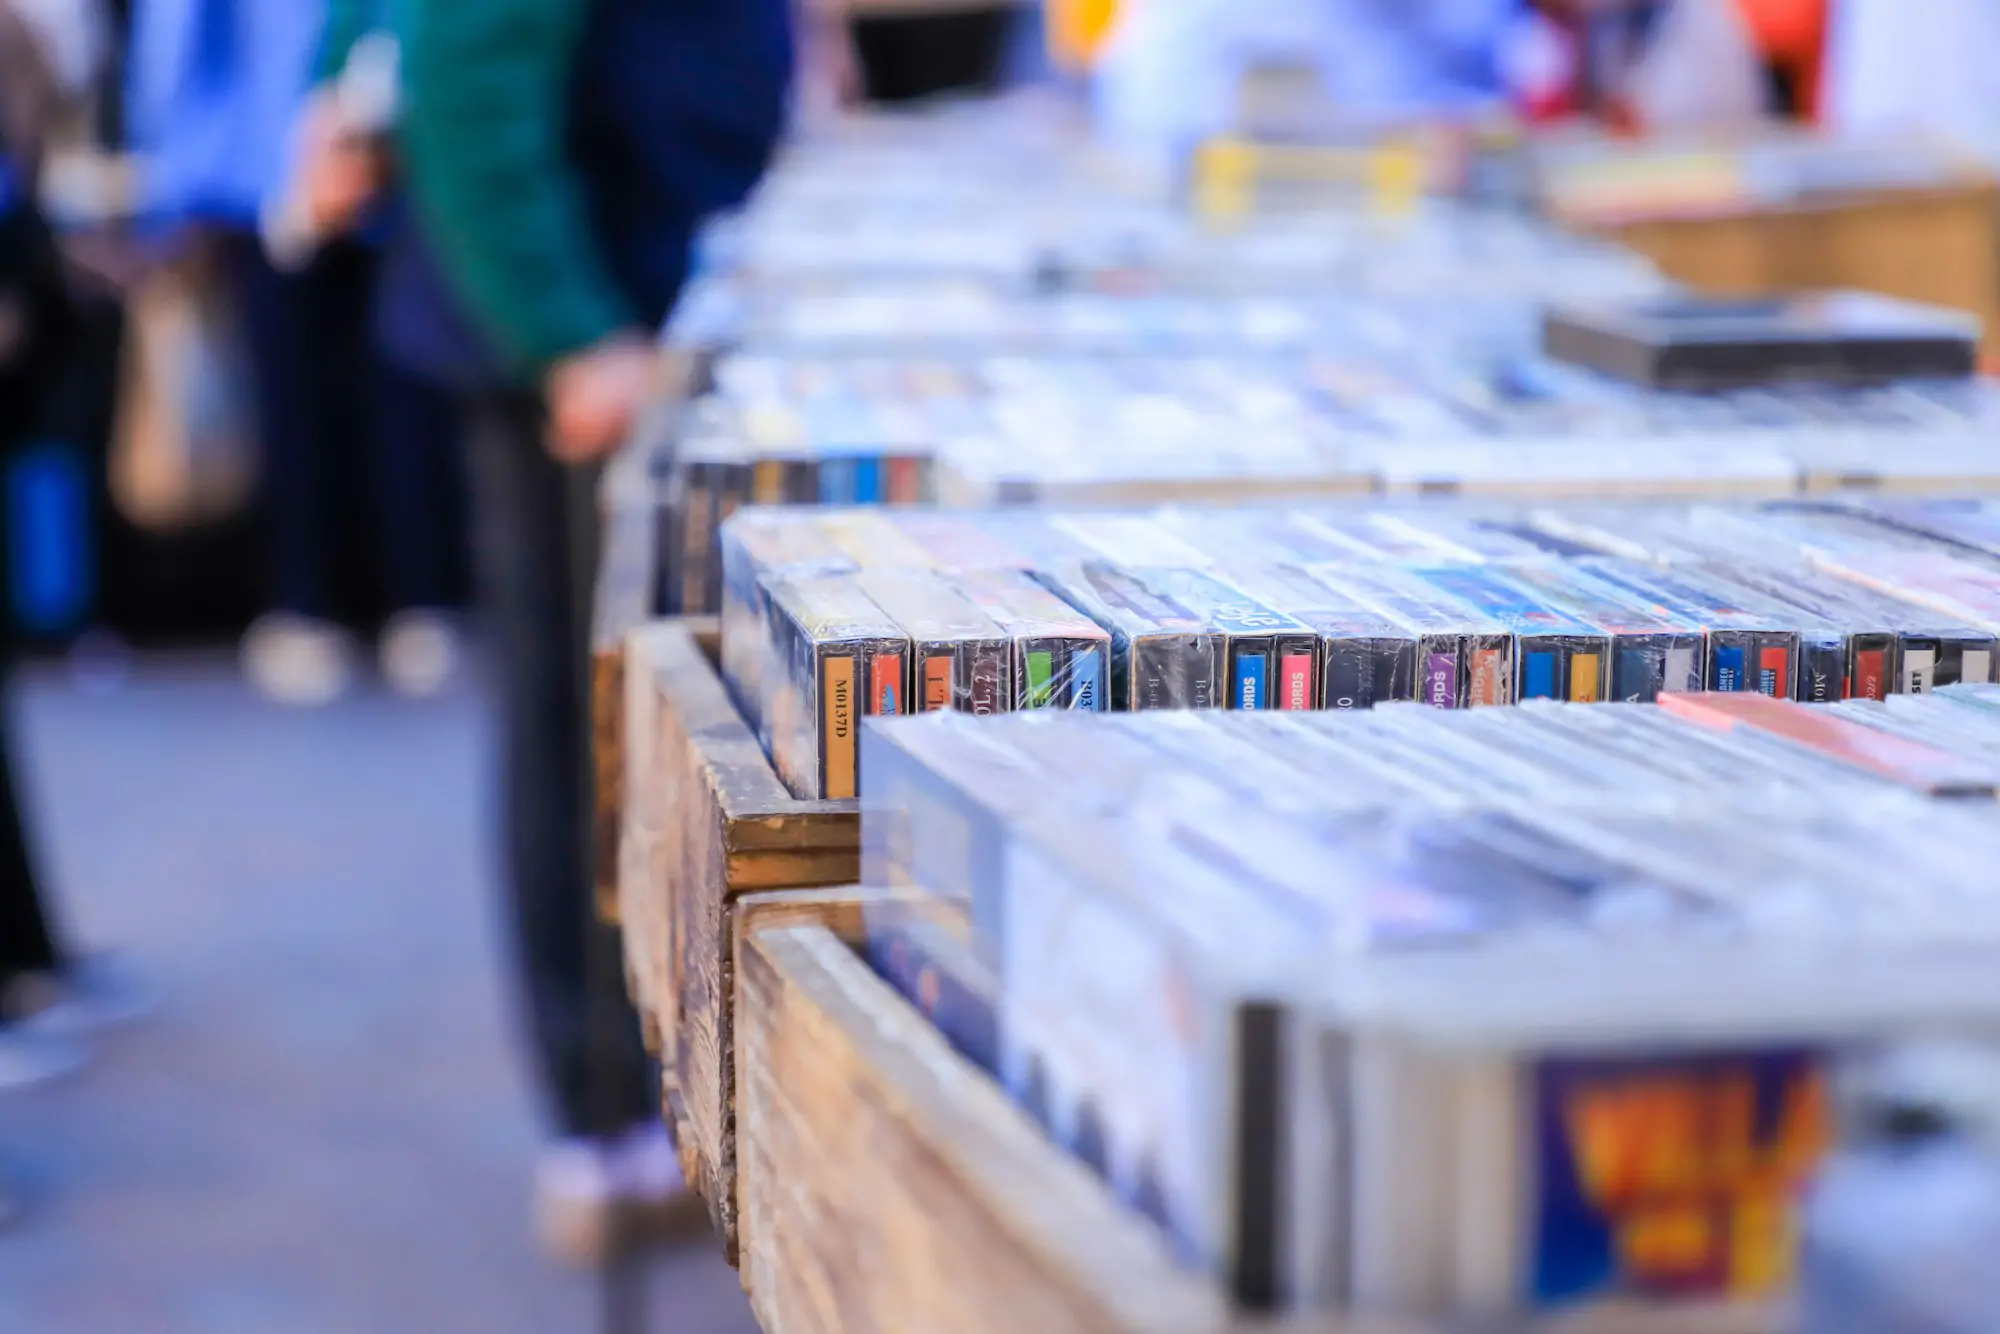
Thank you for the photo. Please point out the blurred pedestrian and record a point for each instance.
(49, 53)
(558, 157)
(215, 87)
(1169, 75)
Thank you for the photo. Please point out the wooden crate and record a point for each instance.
(865, 1177)
(889, 1186)
(707, 821)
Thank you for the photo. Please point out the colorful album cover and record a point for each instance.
(1674, 1177)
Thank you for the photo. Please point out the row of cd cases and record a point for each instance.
(833, 616)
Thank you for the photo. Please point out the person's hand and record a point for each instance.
(596, 396)
(340, 168)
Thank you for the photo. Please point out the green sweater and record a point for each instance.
(481, 136)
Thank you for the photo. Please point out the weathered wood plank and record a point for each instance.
(840, 911)
(646, 842)
(717, 824)
(889, 1186)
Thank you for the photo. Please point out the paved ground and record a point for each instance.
(325, 1130)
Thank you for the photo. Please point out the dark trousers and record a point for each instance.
(535, 534)
(30, 288)
(27, 939)
(325, 398)
(907, 57)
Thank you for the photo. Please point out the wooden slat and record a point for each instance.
(717, 824)
(842, 911)
(645, 845)
(889, 1187)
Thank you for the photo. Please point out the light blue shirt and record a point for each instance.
(214, 87)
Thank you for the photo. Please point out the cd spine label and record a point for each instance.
(1585, 678)
(1683, 672)
(838, 713)
(1441, 680)
(1730, 660)
(885, 684)
(986, 684)
(1086, 680)
(904, 486)
(1774, 676)
(1538, 675)
(1871, 674)
(1039, 679)
(1252, 681)
(1295, 677)
(1822, 672)
(937, 681)
(1488, 681)
(1919, 670)
(767, 482)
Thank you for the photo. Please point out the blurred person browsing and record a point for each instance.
(556, 158)
(213, 89)
(50, 50)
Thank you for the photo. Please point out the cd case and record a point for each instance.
(1686, 342)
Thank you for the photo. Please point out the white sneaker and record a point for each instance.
(576, 1201)
(593, 1196)
(295, 659)
(29, 1057)
(421, 653)
(648, 1170)
(89, 995)
(656, 1196)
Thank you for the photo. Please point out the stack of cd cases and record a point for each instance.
(1399, 397)
(831, 615)
(1538, 1011)
(1037, 333)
